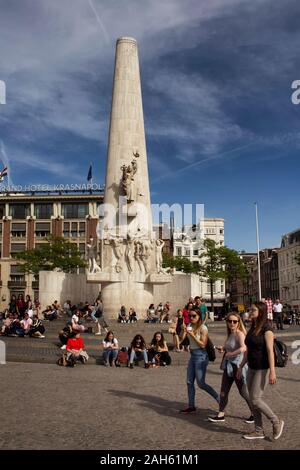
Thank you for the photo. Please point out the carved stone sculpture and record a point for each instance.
(159, 244)
(91, 254)
(118, 248)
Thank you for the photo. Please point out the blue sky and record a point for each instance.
(216, 77)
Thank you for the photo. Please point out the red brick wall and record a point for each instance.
(6, 239)
(57, 226)
(30, 234)
(91, 225)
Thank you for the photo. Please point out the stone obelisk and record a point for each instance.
(131, 261)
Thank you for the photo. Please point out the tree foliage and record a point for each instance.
(58, 253)
(180, 263)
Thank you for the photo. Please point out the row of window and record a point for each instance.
(43, 229)
(45, 210)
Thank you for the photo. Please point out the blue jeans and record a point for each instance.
(138, 356)
(197, 370)
(110, 355)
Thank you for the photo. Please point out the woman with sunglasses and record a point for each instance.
(197, 334)
(260, 359)
(233, 351)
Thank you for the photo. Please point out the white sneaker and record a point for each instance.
(64, 346)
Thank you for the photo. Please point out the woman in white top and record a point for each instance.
(197, 334)
(233, 353)
(110, 349)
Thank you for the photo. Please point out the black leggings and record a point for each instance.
(226, 386)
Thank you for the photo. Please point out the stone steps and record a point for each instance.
(47, 350)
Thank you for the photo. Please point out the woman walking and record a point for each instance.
(260, 359)
(197, 334)
(233, 351)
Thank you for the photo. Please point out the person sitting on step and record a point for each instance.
(138, 351)
(110, 349)
(158, 352)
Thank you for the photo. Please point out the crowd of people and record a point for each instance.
(247, 356)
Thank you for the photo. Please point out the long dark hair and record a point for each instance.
(107, 335)
(260, 322)
(161, 342)
(133, 342)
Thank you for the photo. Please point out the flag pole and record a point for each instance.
(258, 249)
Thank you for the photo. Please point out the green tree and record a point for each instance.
(58, 253)
(220, 262)
(180, 263)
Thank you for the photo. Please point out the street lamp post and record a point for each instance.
(258, 248)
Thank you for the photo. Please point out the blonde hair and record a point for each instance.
(241, 326)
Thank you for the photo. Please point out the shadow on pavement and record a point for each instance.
(171, 409)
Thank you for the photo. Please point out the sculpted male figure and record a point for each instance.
(91, 252)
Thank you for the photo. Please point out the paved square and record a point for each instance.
(92, 407)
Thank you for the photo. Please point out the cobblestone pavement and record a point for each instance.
(92, 407)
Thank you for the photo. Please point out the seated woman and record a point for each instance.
(65, 334)
(37, 328)
(50, 313)
(26, 324)
(76, 324)
(75, 350)
(122, 316)
(110, 349)
(132, 316)
(138, 351)
(7, 324)
(158, 352)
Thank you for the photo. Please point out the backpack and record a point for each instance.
(280, 353)
(123, 358)
(62, 361)
(210, 350)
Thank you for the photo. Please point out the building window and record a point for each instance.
(43, 211)
(2, 211)
(179, 251)
(42, 229)
(16, 275)
(187, 252)
(18, 230)
(19, 211)
(0, 230)
(195, 252)
(75, 211)
(17, 248)
(221, 231)
(81, 232)
(74, 229)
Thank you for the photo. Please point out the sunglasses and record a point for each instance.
(193, 316)
(232, 321)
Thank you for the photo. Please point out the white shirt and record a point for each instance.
(109, 344)
(277, 308)
(26, 324)
(75, 318)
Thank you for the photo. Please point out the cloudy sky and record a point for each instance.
(216, 80)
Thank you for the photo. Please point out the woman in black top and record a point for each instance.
(260, 359)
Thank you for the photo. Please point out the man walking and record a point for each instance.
(278, 316)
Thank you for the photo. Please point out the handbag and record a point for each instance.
(210, 350)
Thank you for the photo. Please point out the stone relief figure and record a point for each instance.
(146, 253)
(129, 253)
(118, 247)
(91, 254)
(159, 244)
(138, 250)
(136, 154)
(127, 181)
